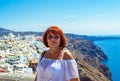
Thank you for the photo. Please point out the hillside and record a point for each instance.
(88, 55)
(69, 35)
(89, 58)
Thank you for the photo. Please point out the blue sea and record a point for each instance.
(112, 49)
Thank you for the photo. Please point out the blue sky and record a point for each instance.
(86, 17)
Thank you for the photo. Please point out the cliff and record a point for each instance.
(89, 58)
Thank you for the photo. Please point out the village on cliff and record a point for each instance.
(20, 54)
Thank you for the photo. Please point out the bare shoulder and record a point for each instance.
(68, 55)
(43, 53)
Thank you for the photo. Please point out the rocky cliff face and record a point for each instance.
(89, 58)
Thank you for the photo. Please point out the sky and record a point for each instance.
(83, 17)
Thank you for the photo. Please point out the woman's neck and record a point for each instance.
(54, 50)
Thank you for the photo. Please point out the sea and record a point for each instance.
(111, 48)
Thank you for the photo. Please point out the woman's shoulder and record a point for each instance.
(68, 55)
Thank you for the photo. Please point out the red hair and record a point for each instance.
(57, 31)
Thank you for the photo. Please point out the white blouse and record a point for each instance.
(56, 70)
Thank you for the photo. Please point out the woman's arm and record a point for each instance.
(69, 56)
(35, 78)
(75, 79)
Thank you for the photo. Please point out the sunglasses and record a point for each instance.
(53, 37)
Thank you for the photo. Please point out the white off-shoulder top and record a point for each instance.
(56, 70)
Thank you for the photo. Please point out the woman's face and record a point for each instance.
(53, 40)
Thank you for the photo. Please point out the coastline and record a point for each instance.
(111, 49)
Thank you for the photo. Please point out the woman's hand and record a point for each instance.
(75, 79)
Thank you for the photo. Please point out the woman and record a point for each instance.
(56, 63)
